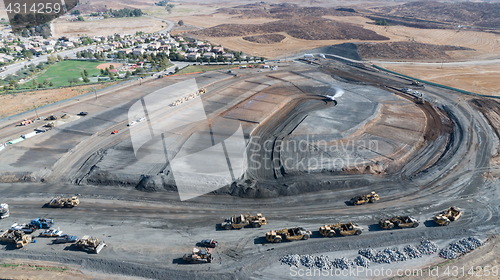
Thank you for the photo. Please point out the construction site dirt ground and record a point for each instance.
(83, 158)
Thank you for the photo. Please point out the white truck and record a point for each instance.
(4, 210)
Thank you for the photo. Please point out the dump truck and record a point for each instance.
(90, 244)
(292, 234)
(399, 221)
(363, 199)
(199, 256)
(61, 202)
(451, 214)
(4, 210)
(340, 229)
(18, 237)
(243, 220)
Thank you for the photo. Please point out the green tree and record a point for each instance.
(85, 72)
(128, 74)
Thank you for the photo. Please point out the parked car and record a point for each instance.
(209, 243)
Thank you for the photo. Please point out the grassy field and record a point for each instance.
(59, 73)
(205, 68)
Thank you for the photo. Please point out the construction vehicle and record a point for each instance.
(241, 221)
(65, 239)
(26, 122)
(61, 202)
(298, 233)
(209, 243)
(363, 199)
(399, 221)
(51, 118)
(4, 210)
(26, 228)
(451, 214)
(90, 244)
(340, 229)
(50, 125)
(199, 256)
(51, 233)
(18, 237)
(41, 223)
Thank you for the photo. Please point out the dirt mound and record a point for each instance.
(464, 13)
(405, 51)
(284, 11)
(266, 38)
(310, 28)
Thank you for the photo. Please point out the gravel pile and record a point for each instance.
(291, 260)
(368, 253)
(362, 261)
(323, 262)
(460, 247)
(308, 261)
(427, 247)
(448, 254)
(342, 263)
(471, 243)
(412, 252)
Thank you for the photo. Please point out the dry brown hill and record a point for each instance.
(308, 28)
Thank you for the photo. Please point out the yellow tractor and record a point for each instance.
(18, 237)
(399, 221)
(298, 233)
(363, 199)
(241, 221)
(90, 244)
(61, 202)
(451, 214)
(340, 229)
(199, 256)
(202, 91)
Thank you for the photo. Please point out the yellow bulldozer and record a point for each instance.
(451, 214)
(399, 221)
(243, 220)
(61, 202)
(363, 199)
(91, 244)
(199, 256)
(292, 234)
(18, 237)
(340, 229)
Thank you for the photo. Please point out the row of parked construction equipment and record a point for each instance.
(340, 229)
(21, 234)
